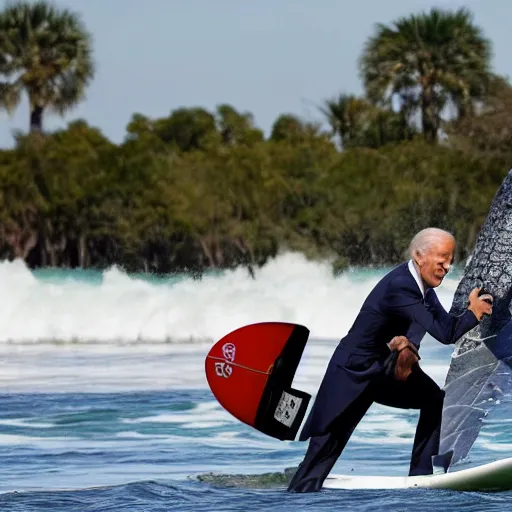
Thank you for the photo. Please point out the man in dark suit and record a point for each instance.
(395, 316)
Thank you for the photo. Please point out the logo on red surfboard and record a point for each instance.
(222, 368)
(229, 350)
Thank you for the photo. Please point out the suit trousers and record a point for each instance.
(419, 391)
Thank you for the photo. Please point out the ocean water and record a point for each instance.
(105, 405)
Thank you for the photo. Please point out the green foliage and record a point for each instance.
(73, 198)
(488, 130)
(198, 190)
(237, 128)
(290, 128)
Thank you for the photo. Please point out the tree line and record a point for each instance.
(428, 144)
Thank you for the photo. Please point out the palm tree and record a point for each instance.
(427, 62)
(46, 53)
(346, 115)
(357, 122)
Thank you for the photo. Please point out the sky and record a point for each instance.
(267, 57)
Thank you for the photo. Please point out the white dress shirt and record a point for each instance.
(417, 277)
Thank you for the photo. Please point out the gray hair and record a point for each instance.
(426, 238)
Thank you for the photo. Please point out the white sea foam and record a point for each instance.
(220, 417)
(137, 435)
(121, 324)
(19, 440)
(493, 446)
(25, 424)
(119, 308)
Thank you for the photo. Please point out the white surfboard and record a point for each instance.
(492, 477)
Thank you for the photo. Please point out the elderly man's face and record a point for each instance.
(435, 263)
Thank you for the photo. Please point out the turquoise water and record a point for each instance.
(105, 405)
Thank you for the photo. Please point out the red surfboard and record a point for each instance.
(250, 371)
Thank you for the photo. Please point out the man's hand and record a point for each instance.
(398, 343)
(407, 356)
(479, 305)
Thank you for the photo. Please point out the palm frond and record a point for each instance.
(48, 51)
(10, 96)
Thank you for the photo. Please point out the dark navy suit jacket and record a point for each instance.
(394, 307)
